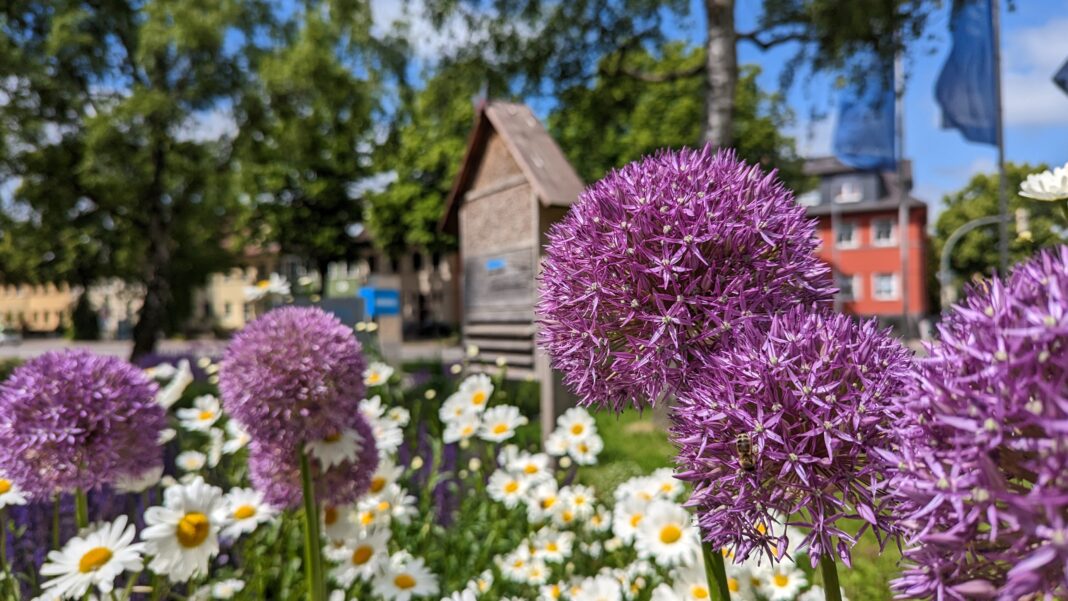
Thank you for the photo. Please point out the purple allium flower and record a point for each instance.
(292, 376)
(659, 261)
(781, 427)
(73, 419)
(275, 470)
(983, 454)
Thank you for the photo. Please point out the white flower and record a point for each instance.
(403, 577)
(94, 559)
(481, 584)
(666, 535)
(816, 594)
(169, 394)
(478, 389)
(552, 546)
(182, 535)
(274, 285)
(162, 372)
(506, 488)
(536, 573)
(190, 461)
(664, 481)
(598, 588)
(585, 451)
(387, 472)
(387, 433)
(532, 467)
(457, 405)
(557, 443)
(237, 438)
(542, 500)
(627, 516)
(392, 504)
(689, 584)
(133, 484)
(377, 373)
(10, 493)
(216, 441)
(337, 449)
(783, 583)
(243, 510)
(399, 416)
(514, 565)
(226, 589)
(1048, 185)
(551, 592)
(499, 423)
(461, 428)
(337, 523)
(580, 499)
(464, 595)
(360, 557)
(576, 423)
(202, 415)
(166, 435)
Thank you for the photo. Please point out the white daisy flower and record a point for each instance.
(169, 394)
(513, 566)
(236, 439)
(166, 435)
(782, 583)
(202, 415)
(532, 467)
(10, 493)
(457, 405)
(377, 373)
(481, 584)
(689, 584)
(131, 484)
(665, 483)
(536, 573)
(403, 577)
(243, 510)
(586, 450)
(93, 559)
(387, 472)
(393, 504)
(360, 557)
(478, 389)
(337, 523)
(182, 536)
(216, 440)
(666, 535)
(190, 461)
(551, 592)
(598, 588)
(499, 423)
(600, 521)
(461, 428)
(557, 443)
(506, 488)
(552, 546)
(576, 423)
(162, 372)
(1049, 185)
(372, 408)
(627, 516)
(336, 449)
(399, 416)
(464, 595)
(816, 593)
(226, 589)
(580, 499)
(541, 501)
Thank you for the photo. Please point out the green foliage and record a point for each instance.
(976, 254)
(620, 119)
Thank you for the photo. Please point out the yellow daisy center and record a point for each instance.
(383, 505)
(555, 591)
(478, 398)
(500, 428)
(366, 518)
(467, 431)
(583, 447)
(552, 547)
(330, 515)
(404, 581)
(333, 437)
(205, 415)
(377, 483)
(94, 559)
(699, 592)
(362, 555)
(5, 486)
(734, 585)
(634, 519)
(578, 429)
(192, 529)
(568, 516)
(374, 378)
(781, 579)
(548, 502)
(511, 487)
(244, 512)
(670, 534)
(531, 468)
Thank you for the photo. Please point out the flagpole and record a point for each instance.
(903, 192)
(1003, 203)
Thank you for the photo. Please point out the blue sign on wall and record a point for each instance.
(379, 301)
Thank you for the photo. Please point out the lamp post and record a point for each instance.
(945, 276)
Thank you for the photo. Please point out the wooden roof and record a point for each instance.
(543, 164)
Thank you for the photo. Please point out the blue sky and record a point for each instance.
(1034, 45)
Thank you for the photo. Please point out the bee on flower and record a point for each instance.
(205, 411)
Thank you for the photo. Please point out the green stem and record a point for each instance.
(1064, 209)
(832, 591)
(81, 508)
(313, 561)
(715, 571)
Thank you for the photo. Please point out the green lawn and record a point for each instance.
(635, 445)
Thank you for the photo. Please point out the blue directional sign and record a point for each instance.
(380, 301)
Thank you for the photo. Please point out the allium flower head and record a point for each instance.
(983, 454)
(784, 424)
(660, 261)
(73, 420)
(275, 470)
(293, 376)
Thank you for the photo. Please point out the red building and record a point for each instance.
(860, 238)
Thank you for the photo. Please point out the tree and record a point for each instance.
(617, 120)
(309, 135)
(561, 44)
(100, 98)
(976, 254)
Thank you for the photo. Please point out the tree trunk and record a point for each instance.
(157, 288)
(721, 73)
(323, 267)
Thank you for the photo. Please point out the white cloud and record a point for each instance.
(1031, 56)
(428, 42)
(814, 138)
(206, 126)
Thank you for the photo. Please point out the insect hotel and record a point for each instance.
(513, 184)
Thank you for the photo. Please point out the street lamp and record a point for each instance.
(945, 275)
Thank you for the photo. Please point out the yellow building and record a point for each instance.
(36, 307)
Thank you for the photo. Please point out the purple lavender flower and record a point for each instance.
(658, 263)
(780, 427)
(983, 450)
(292, 376)
(275, 470)
(73, 419)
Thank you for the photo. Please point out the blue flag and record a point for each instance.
(1061, 78)
(864, 135)
(966, 89)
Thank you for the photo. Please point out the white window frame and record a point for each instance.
(854, 240)
(858, 283)
(809, 199)
(893, 232)
(854, 194)
(895, 295)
